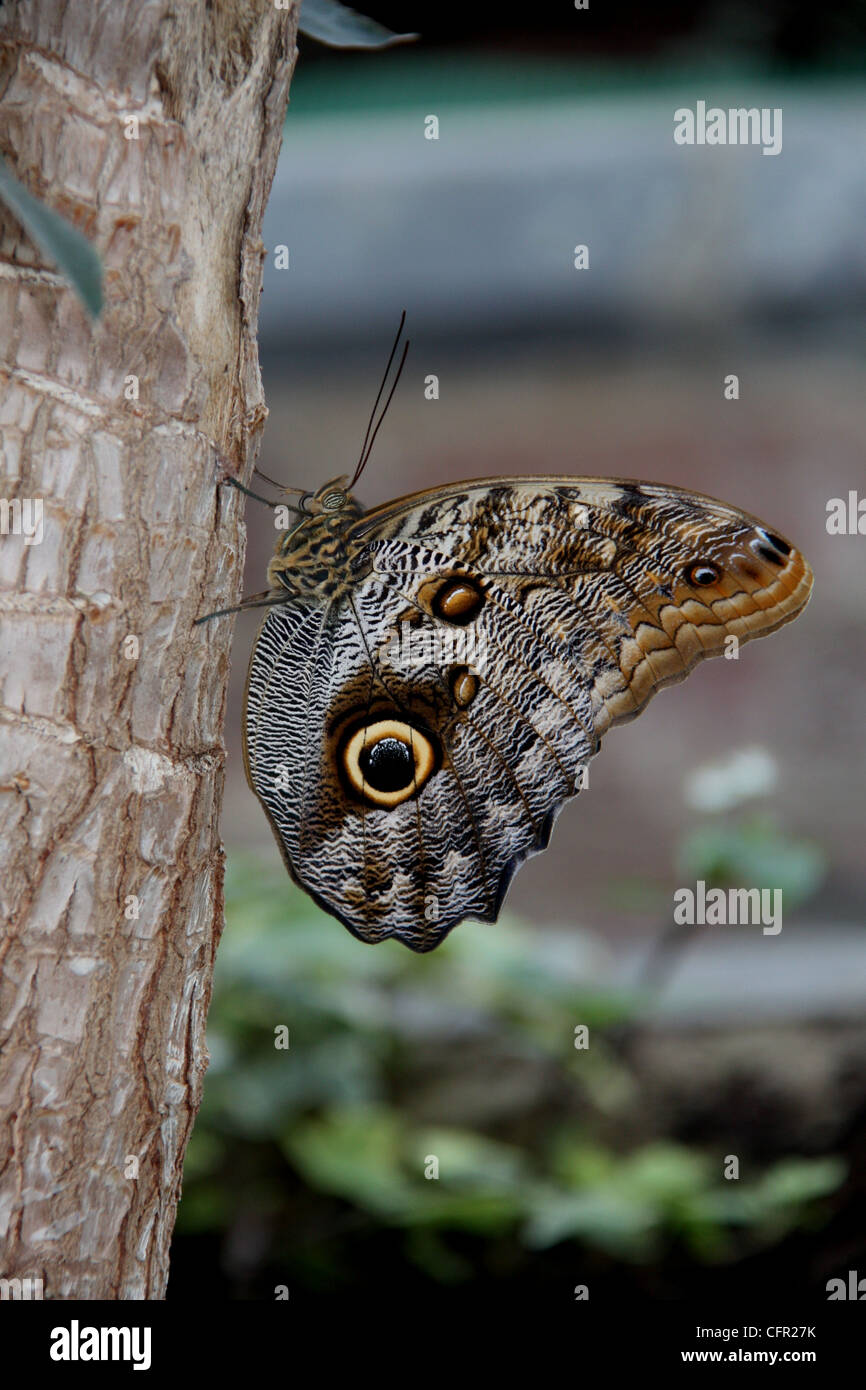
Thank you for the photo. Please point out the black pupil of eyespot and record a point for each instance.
(387, 765)
(703, 574)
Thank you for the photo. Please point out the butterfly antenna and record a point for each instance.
(361, 466)
(368, 441)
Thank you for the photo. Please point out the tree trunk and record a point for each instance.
(111, 702)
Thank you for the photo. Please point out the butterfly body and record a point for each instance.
(435, 674)
(314, 558)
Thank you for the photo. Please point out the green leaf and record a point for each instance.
(793, 1181)
(467, 1161)
(368, 1156)
(332, 23)
(753, 852)
(623, 1225)
(665, 1173)
(72, 252)
(355, 1154)
(779, 1200)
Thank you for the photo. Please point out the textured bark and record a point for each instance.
(111, 765)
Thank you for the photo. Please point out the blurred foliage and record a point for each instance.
(751, 853)
(465, 1058)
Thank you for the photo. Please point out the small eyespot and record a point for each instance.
(464, 686)
(771, 547)
(701, 573)
(777, 543)
(458, 601)
(387, 761)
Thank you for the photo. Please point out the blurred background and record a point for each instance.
(560, 1166)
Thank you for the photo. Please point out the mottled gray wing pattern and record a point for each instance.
(416, 869)
(506, 625)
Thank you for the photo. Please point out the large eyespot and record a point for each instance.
(388, 761)
(771, 547)
(702, 573)
(457, 600)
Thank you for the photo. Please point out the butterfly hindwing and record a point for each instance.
(409, 870)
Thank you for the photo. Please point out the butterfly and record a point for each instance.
(434, 675)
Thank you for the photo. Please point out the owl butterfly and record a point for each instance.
(433, 676)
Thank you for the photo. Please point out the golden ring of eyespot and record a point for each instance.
(388, 761)
(703, 573)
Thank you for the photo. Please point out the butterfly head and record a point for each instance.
(333, 499)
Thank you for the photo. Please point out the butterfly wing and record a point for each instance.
(496, 631)
(411, 869)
